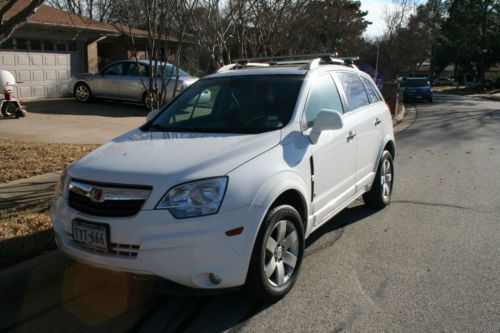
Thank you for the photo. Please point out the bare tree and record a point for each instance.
(212, 26)
(100, 10)
(8, 26)
(164, 21)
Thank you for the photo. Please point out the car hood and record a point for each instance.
(167, 159)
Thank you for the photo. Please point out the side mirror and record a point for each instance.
(152, 114)
(326, 120)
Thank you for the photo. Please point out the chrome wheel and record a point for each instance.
(386, 179)
(282, 249)
(82, 93)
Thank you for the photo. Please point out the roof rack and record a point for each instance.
(309, 60)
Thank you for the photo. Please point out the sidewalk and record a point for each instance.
(27, 190)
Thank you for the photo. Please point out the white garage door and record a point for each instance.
(42, 74)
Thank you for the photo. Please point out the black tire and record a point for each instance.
(82, 92)
(146, 102)
(258, 283)
(377, 197)
(430, 100)
(9, 110)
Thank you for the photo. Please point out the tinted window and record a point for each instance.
(323, 95)
(241, 104)
(371, 90)
(354, 89)
(116, 69)
(36, 45)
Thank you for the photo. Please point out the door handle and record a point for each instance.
(351, 136)
(377, 122)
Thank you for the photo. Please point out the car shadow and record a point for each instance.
(96, 300)
(69, 106)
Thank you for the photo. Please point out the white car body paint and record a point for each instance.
(259, 168)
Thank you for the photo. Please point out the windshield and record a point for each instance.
(417, 83)
(239, 104)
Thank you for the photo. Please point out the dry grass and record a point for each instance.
(22, 159)
(25, 232)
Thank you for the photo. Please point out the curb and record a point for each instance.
(407, 120)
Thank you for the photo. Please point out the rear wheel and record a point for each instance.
(277, 254)
(147, 101)
(380, 194)
(82, 93)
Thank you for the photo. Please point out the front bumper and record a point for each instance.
(182, 251)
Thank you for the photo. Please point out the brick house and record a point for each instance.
(53, 45)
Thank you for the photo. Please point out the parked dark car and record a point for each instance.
(442, 81)
(416, 88)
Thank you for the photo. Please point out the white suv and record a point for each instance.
(222, 186)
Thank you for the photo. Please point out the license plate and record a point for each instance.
(419, 97)
(91, 234)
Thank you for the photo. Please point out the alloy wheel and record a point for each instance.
(282, 249)
(82, 93)
(386, 179)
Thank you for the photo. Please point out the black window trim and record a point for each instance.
(377, 92)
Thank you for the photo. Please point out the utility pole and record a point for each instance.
(376, 63)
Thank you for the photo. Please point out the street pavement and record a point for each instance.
(429, 262)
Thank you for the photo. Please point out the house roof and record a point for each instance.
(51, 16)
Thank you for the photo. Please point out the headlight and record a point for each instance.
(198, 198)
(61, 183)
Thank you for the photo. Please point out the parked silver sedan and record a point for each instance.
(123, 80)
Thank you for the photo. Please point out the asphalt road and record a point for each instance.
(429, 262)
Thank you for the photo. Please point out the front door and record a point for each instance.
(107, 82)
(334, 155)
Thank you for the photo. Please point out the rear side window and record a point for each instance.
(354, 90)
(371, 90)
(323, 95)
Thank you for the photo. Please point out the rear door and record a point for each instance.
(132, 87)
(366, 107)
(334, 154)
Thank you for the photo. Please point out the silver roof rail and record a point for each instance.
(310, 61)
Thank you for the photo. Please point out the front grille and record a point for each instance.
(107, 208)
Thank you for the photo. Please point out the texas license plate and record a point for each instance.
(91, 234)
(419, 97)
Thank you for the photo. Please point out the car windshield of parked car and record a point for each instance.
(417, 83)
(237, 104)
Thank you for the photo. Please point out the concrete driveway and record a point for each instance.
(67, 121)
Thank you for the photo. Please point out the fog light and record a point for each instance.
(215, 278)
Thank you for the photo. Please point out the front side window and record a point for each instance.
(116, 69)
(354, 90)
(239, 104)
(371, 90)
(323, 95)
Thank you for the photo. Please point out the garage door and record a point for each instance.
(42, 74)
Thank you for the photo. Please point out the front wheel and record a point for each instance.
(277, 254)
(380, 194)
(82, 93)
(9, 110)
